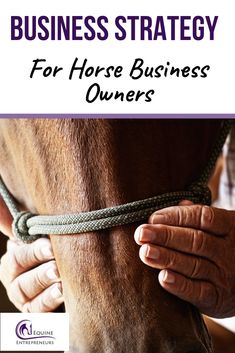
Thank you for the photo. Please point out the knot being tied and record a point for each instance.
(20, 228)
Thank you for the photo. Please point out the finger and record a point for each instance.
(186, 240)
(215, 220)
(190, 266)
(47, 301)
(31, 283)
(11, 244)
(199, 293)
(5, 219)
(22, 257)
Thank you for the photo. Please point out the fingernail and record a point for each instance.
(146, 235)
(137, 234)
(167, 277)
(150, 252)
(52, 273)
(157, 218)
(56, 291)
(47, 251)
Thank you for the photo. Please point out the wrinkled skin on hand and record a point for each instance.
(194, 247)
(29, 272)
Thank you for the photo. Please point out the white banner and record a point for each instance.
(123, 57)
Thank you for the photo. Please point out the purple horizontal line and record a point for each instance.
(122, 116)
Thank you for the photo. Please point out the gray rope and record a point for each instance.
(8, 199)
(28, 227)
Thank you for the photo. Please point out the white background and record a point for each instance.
(215, 94)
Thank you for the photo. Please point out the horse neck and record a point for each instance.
(91, 164)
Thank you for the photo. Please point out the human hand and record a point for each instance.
(29, 272)
(194, 247)
(30, 276)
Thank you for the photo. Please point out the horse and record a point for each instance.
(60, 166)
(24, 329)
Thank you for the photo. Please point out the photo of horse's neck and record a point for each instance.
(54, 167)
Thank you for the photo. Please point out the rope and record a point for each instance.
(28, 227)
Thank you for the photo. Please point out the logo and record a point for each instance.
(34, 332)
(24, 331)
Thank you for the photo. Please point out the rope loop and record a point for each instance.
(202, 192)
(20, 228)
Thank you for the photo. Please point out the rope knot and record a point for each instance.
(202, 192)
(20, 228)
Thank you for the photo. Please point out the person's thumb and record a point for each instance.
(5, 219)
